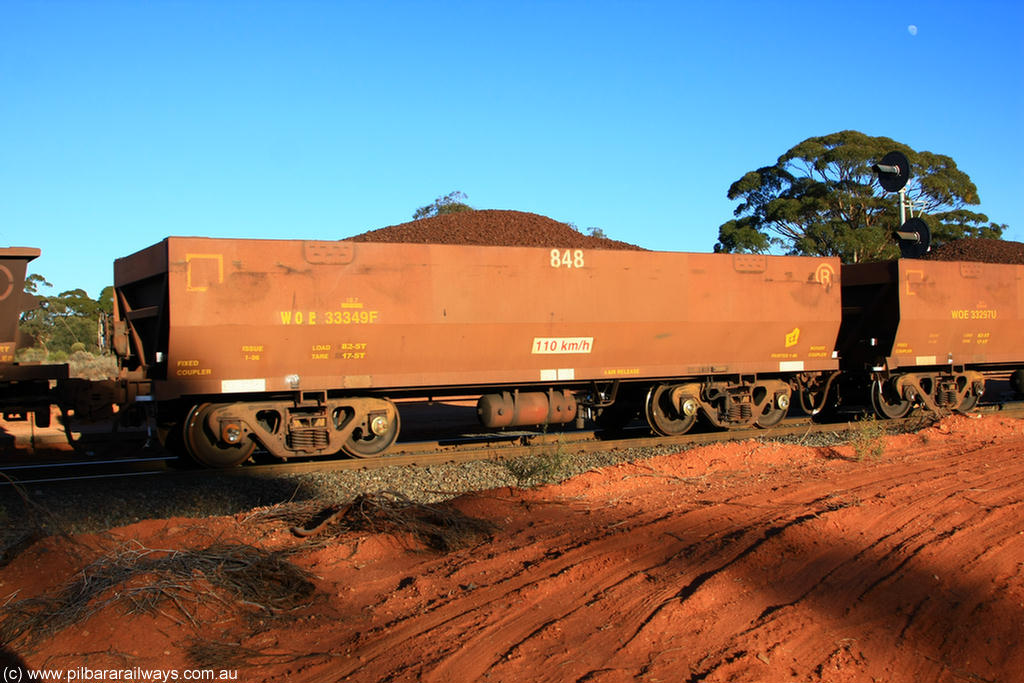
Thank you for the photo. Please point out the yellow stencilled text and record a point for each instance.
(342, 317)
(350, 351)
(974, 314)
(252, 351)
(818, 351)
(351, 317)
(190, 368)
(569, 258)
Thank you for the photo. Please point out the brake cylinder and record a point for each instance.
(515, 409)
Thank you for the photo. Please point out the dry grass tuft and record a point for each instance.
(438, 528)
(95, 367)
(536, 470)
(869, 439)
(34, 524)
(144, 580)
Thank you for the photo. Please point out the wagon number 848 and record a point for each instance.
(570, 258)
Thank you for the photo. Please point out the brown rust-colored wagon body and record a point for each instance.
(24, 387)
(301, 344)
(927, 330)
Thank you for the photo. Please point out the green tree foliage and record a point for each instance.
(822, 198)
(65, 322)
(34, 281)
(453, 202)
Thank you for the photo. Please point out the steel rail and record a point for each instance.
(503, 446)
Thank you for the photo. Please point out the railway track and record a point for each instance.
(507, 446)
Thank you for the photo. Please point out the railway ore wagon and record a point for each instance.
(925, 332)
(24, 387)
(304, 346)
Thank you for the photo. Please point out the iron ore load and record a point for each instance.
(303, 347)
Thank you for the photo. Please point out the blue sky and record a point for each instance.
(124, 122)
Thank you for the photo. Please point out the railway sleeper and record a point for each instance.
(225, 435)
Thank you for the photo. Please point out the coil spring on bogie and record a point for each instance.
(740, 412)
(946, 397)
(308, 439)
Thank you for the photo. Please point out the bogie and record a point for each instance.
(227, 434)
(939, 393)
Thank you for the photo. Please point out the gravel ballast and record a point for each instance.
(99, 504)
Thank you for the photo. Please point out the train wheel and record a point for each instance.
(374, 438)
(887, 402)
(663, 417)
(969, 402)
(205, 446)
(773, 412)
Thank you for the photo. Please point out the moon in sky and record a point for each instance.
(912, 30)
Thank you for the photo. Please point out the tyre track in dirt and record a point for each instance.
(893, 556)
(867, 549)
(586, 565)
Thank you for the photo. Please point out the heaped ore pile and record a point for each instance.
(491, 227)
(979, 249)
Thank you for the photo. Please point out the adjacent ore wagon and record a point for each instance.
(303, 347)
(24, 387)
(924, 332)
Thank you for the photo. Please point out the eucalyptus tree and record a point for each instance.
(822, 198)
(453, 202)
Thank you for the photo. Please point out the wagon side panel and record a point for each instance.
(255, 316)
(958, 313)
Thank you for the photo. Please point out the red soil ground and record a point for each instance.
(739, 562)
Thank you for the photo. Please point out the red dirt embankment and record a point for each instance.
(738, 562)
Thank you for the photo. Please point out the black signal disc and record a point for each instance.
(915, 248)
(894, 182)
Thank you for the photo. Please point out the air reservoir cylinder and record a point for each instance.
(515, 409)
